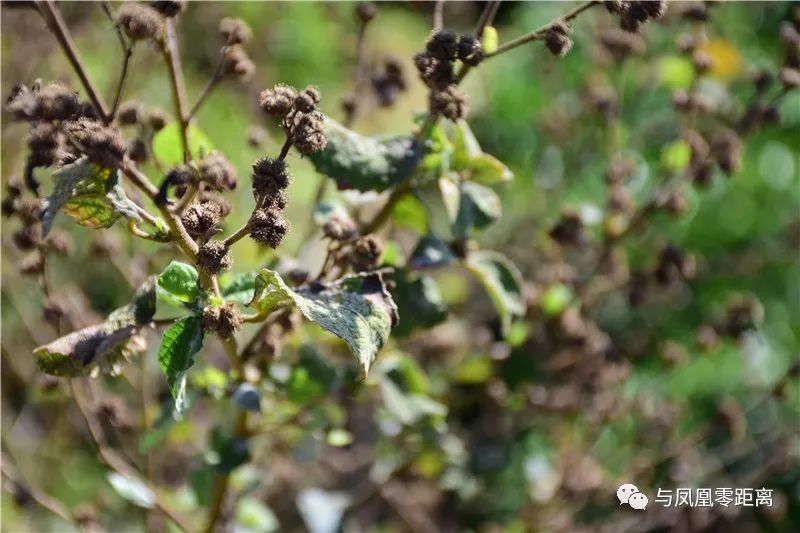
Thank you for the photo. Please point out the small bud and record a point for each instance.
(137, 150)
(44, 141)
(26, 238)
(217, 172)
(451, 103)
(366, 11)
(469, 50)
(169, 8)
(32, 264)
(129, 113)
(277, 101)
(268, 227)
(56, 102)
(557, 38)
(209, 197)
(339, 229)
(621, 44)
(213, 257)
(702, 61)
(695, 11)
(435, 73)
(224, 320)
(366, 253)
(706, 337)
(569, 230)
(443, 45)
(269, 177)
(200, 217)
(138, 21)
(726, 148)
(235, 31)
(685, 43)
(743, 313)
(308, 133)
(307, 100)
(53, 312)
(616, 6)
(28, 209)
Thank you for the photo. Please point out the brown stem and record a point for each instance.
(487, 17)
(540, 32)
(55, 22)
(438, 15)
(127, 51)
(287, 144)
(239, 234)
(117, 462)
(216, 77)
(169, 48)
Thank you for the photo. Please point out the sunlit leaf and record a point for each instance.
(502, 281)
(430, 252)
(365, 163)
(239, 287)
(102, 345)
(168, 146)
(358, 309)
(132, 490)
(180, 280)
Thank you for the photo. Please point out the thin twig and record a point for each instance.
(52, 17)
(438, 15)
(44, 500)
(239, 234)
(487, 17)
(216, 77)
(127, 51)
(169, 48)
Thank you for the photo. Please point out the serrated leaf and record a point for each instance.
(102, 345)
(357, 309)
(180, 281)
(176, 355)
(430, 252)
(365, 163)
(89, 194)
(502, 280)
(168, 146)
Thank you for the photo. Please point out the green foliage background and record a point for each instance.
(431, 409)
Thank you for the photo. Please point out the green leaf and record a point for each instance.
(168, 146)
(365, 163)
(555, 299)
(133, 490)
(430, 252)
(410, 213)
(502, 281)
(465, 146)
(231, 451)
(357, 309)
(252, 515)
(676, 155)
(478, 207)
(419, 302)
(89, 194)
(180, 280)
(103, 345)
(676, 72)
(450, 194)
(487, 170)
(176, 355)
(239, 288)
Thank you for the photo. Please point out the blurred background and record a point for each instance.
(693, 383)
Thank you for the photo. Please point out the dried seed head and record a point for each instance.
(137, 150)
(569, 230)
(621, 44)
(217, 172)
(256, 135)
(269, 177)
(169, 8)
(638, 13)
(56, 102)
(209, 197)
(53, 312)
(237, 63)
(224, 320)
(139, 22)
(443, 45)
(616, 6)
(235, 31)
(21, 103)
(366, 11)
(308, 133)
(26, 238)
(726, 147)
(743, 313)
(157, 119)
(435, 73)
(340, 229)
(200, 217)
(277, 101)
(213, 257)
(695, 11)
(469, 51)
(268, 227)
(685, 43)
(451, 103)
(32, 264)
(366, 253)
(103, 145)
(27, 209)
(789, 34)
(60, 243)
(557, 38)
(702, 61)
(790, 78)
(307, 100)
(129, 113)
(44, 141)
